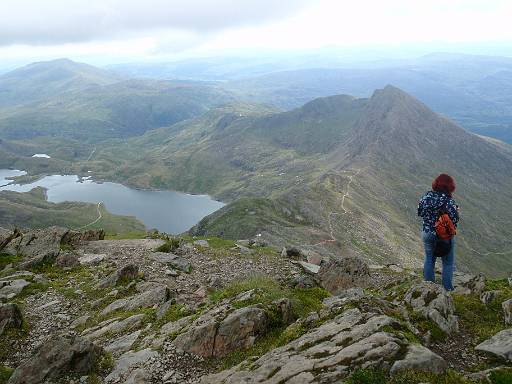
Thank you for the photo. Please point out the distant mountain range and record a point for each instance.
(338, 175)
(473, 90)
(78, 101)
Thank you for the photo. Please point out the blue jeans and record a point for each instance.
(429, 241)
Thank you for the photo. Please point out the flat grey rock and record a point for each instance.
(123, 343)
(499, 345)
(419, 358)
(12, 288)
(127, 361)
(91, 259)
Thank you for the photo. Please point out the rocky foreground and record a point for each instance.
(76, 308)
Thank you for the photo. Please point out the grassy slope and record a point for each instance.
(32, 210)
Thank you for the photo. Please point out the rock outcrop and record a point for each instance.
(223, 330)
(61, 355)
(340, 274)
(329, 353)
(10, 317)
(435, 304)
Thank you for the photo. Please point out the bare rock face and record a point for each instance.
(500, 345)
(326, 354)
(61, 355)
(435, 304)
(341, 274)
(223, 330)
(10, 317)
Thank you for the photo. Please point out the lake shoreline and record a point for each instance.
(167, 211)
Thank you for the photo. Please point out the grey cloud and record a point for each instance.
(36, 22)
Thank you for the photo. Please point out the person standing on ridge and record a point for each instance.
(440, 217)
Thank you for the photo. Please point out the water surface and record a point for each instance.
(167, 211)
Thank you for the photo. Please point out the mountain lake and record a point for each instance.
(167, 211)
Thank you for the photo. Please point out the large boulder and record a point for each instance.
(327, 354)
(11, 288)
(59, 356)
(212, 335)
(10, 317)
(420, 359)
(6, 236)
(500, 345)
(435, 304)
(74, 238)
(339, 274)
(174, 261)
(113, 327)
(122, 275)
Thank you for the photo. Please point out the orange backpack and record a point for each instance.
(444, 226)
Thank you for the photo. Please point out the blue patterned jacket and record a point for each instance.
(430, 205)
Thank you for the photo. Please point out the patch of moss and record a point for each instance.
(174, 313)
(275, 338)
(481, 320)
(373, 376)
(170, 245)
(5, 374)
(502, 376)
(425, 326)
(125, 236)
(7, 258)
(303, 301)
(104, 363)
(403, 331)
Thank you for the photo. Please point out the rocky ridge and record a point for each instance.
(76, 308)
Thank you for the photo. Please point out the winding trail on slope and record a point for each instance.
(332, 238)
(100, 216)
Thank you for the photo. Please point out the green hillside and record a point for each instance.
(349, 172)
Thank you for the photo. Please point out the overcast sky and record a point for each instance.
(132, 30)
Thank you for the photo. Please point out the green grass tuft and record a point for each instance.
(481, 320)
(502, 376)
(5, 374)
(6, 259)
(169, 246)
(373, 376)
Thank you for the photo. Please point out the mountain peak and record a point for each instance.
(47, 78)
